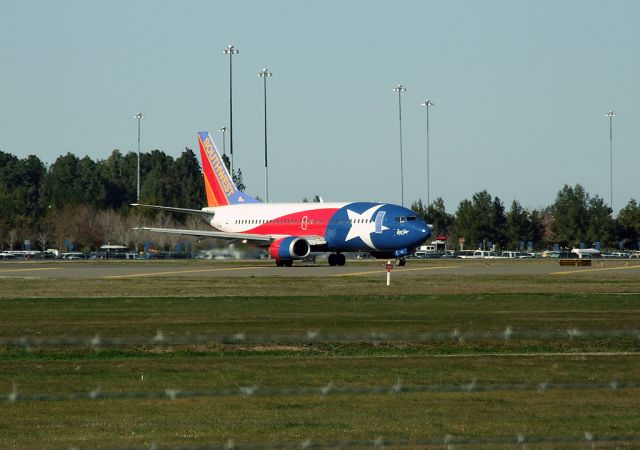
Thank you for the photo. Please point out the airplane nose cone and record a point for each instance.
(426, 233)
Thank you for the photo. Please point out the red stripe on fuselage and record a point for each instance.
(311, 222)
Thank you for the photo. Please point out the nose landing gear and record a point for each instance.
(401, 262)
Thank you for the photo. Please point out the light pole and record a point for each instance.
(138, 116)
(223, 130)
(400, 89)
(611, 115)
(264, 74)
(428, 104)
(230, 50)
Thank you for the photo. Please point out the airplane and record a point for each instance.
(291, 231)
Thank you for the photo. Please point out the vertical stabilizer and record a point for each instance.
(220, 188)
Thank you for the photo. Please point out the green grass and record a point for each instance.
(281, 315)
(417, 279)
(196, 421)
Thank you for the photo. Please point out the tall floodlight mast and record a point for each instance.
(138, 116)
(400, 89)
(230, 50)
(610, 115)
(428, 104)
(264, 74)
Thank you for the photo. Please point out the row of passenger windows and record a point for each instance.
(277, 221)
(400, 219)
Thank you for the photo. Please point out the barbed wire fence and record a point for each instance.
(311, 337)
(315, 337)
(520, 441)
(329, 389)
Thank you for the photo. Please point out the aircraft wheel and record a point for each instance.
(340, 259)
(333, 259)
(279, 263)
(401, 262)
(288, 262)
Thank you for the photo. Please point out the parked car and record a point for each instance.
(515, 255)
(428, 254)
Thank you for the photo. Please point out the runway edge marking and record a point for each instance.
(178, 272)
(600, 269)
(372, 272)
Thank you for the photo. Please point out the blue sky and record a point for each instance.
(520, 91)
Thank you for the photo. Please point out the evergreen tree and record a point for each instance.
(518, 225)
(62, 185)
(419, 208)
(570, 215)
(191, 182)
(600, 227)
(629, 220)
(21, 181)
(480, 220)
(158, 186)
(435, 215)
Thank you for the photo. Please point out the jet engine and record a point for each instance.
(290, 247)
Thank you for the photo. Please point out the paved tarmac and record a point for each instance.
(203, 268)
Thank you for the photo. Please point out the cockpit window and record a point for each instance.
(403, 219)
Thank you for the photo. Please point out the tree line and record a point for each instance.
(80, 204)
(575, 218)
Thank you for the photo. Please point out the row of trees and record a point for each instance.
(85, 203)
(28, 188)
(80, 202)
(574, 218)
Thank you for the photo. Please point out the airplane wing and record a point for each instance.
(245, 237)
(178, 210)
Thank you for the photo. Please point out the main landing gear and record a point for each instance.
(336, 259)
(284, 262)
(401, 262)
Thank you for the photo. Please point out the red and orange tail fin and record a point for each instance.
(220, 188)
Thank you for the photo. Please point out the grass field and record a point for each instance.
(291, 307)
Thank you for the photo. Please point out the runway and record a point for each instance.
(245, 269)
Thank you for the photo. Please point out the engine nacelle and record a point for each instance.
(290, 247)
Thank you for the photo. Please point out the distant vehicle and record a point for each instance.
(113, 252)
(587, 252)
(617, 255)
(558, 254)
(24, 254)
(515, 255)
(71, 255)
(484, 254)
(477, 254)
(7, 255)
(427, 254)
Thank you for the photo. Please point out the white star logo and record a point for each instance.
(362, 225)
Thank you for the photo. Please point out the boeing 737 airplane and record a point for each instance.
(292, 231)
